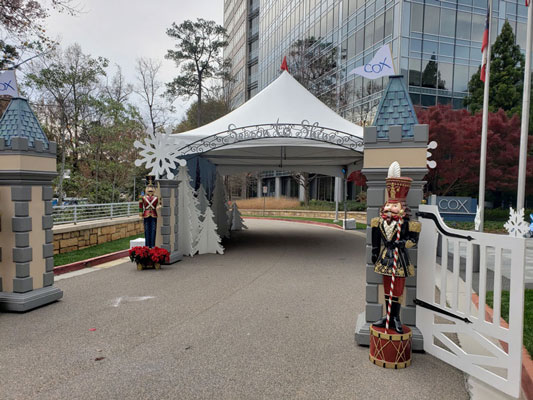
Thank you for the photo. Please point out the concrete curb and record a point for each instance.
(297, 220)
(527, 363)
(75, 266)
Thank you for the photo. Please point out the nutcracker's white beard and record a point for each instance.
(390, 228)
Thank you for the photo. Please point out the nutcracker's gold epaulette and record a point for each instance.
(415, 226)
(374, 222)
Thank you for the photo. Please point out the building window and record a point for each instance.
(431, 20)
(447, 22)
(460, 78)
(428, 100)
(464, 24)
(445, 76)
(379, 28)
(369, 35)
(414, 72)
(417, 17)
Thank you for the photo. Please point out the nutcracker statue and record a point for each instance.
(392, 234)
(148, 206)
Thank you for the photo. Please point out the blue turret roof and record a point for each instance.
(19, 120)
(395, 108)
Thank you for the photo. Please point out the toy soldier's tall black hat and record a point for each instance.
(150, 180)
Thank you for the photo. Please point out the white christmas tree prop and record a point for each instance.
(237, 223)
(516, 226)
(203, 203)
(220, 208)
(188, 214)
(208, 239)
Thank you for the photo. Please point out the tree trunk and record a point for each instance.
(199, 110)
(62, 173)
(244, 187)
(307, 187)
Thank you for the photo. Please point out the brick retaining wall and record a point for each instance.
(360, 216)
(69, 237)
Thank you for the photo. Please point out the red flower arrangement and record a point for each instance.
(148, 256)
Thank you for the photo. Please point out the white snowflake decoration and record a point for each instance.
(516, 226)
(477, 219)
(431, 146)
(159, 153)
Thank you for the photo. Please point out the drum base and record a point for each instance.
(389, 349)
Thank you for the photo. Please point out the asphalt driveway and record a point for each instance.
(273, 318)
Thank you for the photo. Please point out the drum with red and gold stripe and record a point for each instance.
(389, 349)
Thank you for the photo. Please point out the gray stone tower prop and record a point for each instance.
(394, 136)
(167, 223)
(27, 168)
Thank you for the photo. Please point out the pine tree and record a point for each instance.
(237, 223)
(220, 208)
(506, 77)
(208, 239)
(188, 214)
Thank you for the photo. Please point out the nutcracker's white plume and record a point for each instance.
(394, 170)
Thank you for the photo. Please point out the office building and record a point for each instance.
(436, 46)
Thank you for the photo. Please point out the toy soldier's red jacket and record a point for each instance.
(148, 206)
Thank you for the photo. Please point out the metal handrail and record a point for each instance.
(72, 214)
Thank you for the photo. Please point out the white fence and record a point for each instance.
(482, 346)
(73, 214)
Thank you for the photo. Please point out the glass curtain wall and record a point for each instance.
(439, 42)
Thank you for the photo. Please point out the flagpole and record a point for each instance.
(522, 163)
(484, 129)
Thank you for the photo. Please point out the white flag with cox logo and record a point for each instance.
(8, 83)
(380, 65)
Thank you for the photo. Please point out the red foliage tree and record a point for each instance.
(458, 134)
(358, 178)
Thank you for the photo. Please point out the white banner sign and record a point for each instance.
(8, 84)
(380, 65)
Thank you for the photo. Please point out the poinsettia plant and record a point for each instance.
(148, 256)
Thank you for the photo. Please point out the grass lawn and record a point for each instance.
(489, 226)
(329, 221)
(528, 315)
(94, 251)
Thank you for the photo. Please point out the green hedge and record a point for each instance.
(502, 214)
(321, 205)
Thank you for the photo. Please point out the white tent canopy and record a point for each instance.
(284, 127)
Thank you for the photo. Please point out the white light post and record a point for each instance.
(522, 163)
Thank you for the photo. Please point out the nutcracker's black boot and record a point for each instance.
(395, 322)
(381, 323)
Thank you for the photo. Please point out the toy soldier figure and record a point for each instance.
(394, 218)
(148, 206)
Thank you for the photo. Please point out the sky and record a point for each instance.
(123, 30)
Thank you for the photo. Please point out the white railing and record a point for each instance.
(457, 330)
(73, 214)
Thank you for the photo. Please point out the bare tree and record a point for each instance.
(365, 112)
(304, 179)
(151, 90)
(118, 89)
(22, 27)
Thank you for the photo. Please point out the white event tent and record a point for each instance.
(284, 127)
(288, 104)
